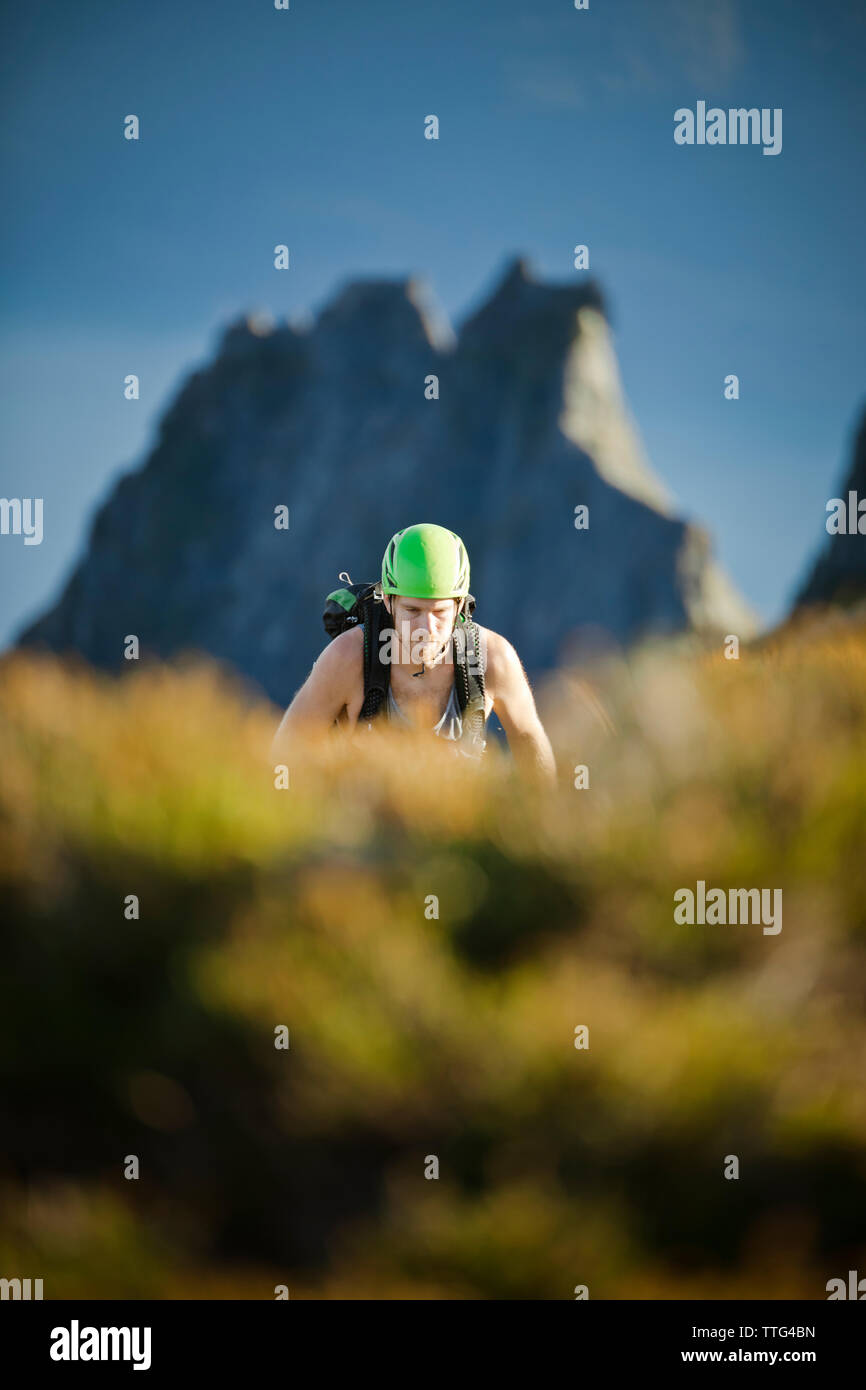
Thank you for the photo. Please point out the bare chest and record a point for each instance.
(423, 699)
(425, 693)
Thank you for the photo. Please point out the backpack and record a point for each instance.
(352, 604)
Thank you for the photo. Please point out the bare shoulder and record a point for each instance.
(508, 686)
(501, 662)
(343, 653)
(339, 667)
(337, 673)
(329, 690)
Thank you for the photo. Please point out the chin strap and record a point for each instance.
(415, 674)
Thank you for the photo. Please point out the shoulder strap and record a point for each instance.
(377, 674)
(469, 677)
(468, 667)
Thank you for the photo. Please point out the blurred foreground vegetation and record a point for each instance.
(412, 1036)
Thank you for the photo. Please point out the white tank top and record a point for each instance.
(449, 726)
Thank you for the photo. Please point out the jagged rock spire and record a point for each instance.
(335, 422)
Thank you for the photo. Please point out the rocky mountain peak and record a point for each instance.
(337, 423)
(521, 305)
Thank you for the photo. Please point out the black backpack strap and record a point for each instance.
(468, 668)
(469, 678)
(377, 674)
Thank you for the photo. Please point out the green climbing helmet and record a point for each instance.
(426, 561)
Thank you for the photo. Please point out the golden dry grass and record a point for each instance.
(451, 1036)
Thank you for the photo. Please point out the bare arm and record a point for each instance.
(515, 707)
(337, 673)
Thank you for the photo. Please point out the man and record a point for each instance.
(425, 583)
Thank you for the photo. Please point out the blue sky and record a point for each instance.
(306, 127)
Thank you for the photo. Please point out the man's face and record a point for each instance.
(424, 624)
